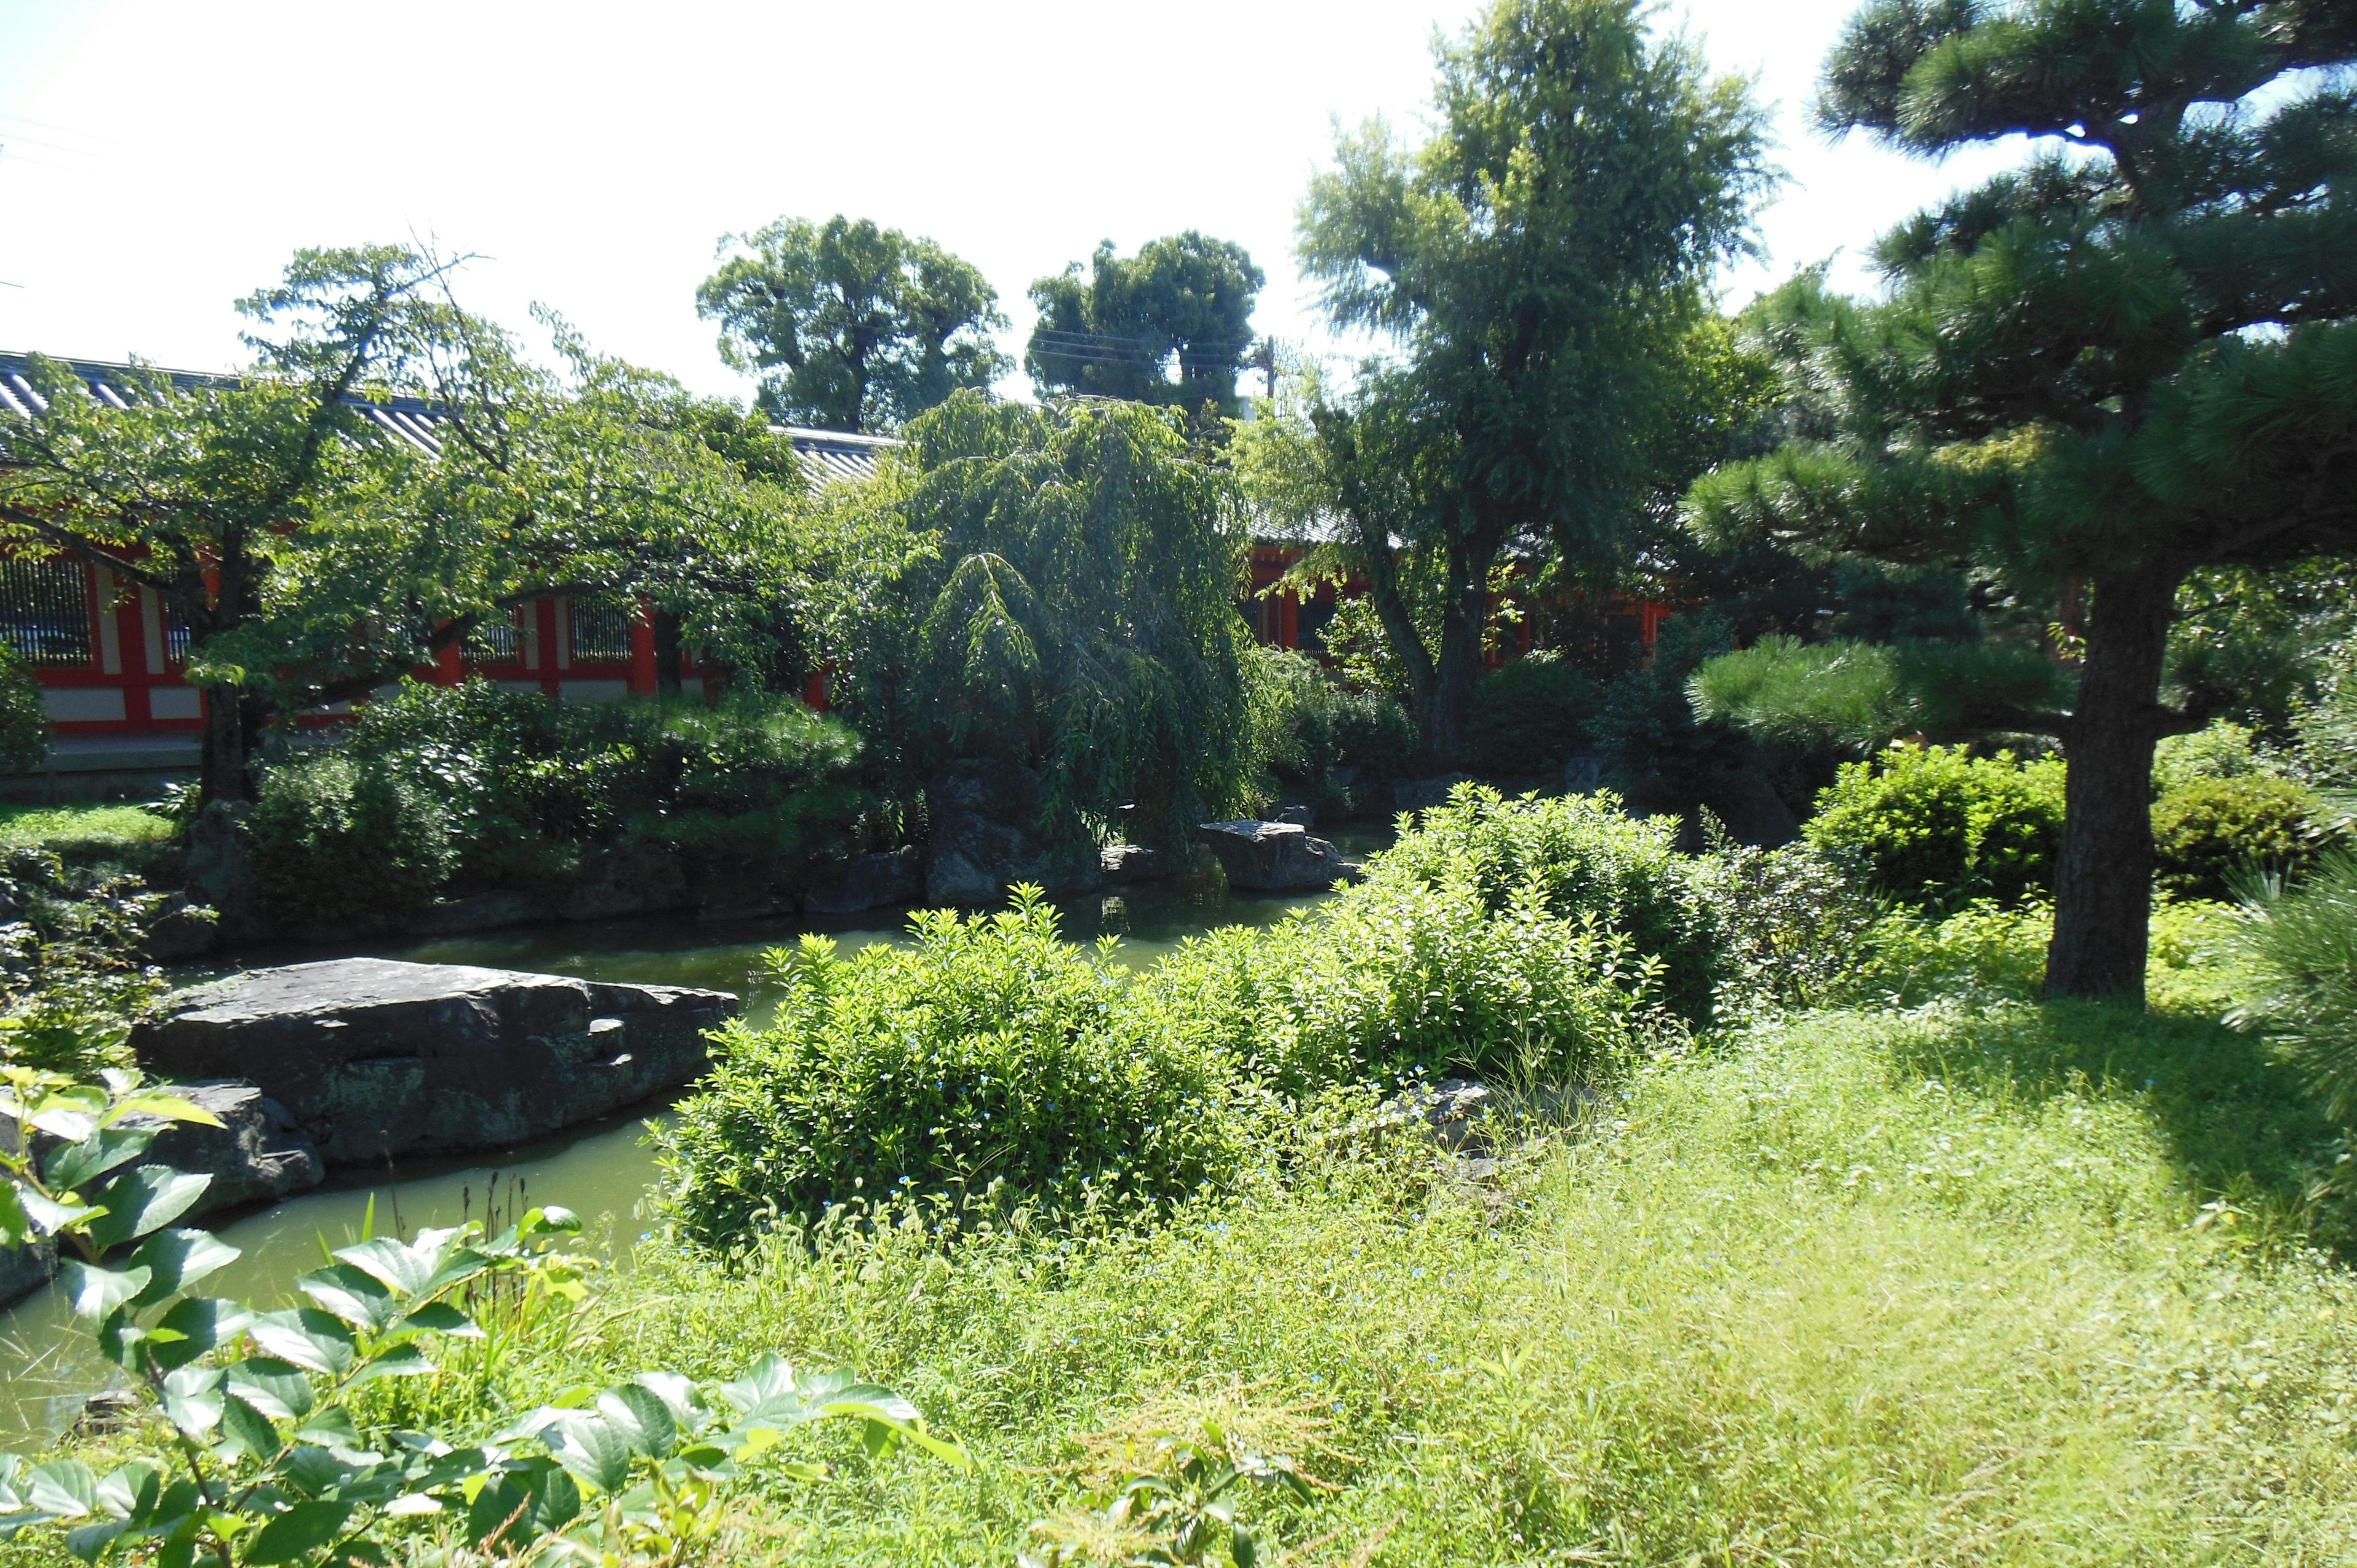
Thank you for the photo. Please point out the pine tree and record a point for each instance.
(2127, 359)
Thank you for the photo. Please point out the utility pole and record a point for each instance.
(1264, 362)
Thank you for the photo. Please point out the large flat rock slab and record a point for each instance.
(376, 1059)
(1273, 857)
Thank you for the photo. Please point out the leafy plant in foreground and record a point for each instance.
(2303, 946)
(274, 1466)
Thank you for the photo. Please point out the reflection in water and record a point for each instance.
(601, 1170)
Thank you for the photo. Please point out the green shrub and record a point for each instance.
(1402, 978)
(2206, 830)
(1789, 924)
(1306, 725)
(2225, 750)
(1587, 858)
(338, 840)
(74, 978)
(24, 720)
(527, 784)
(1529, 717)
(988, 1052)
(2301, 948)
(1939, 827)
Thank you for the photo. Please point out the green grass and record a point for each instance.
(2017, 1287)
(85, 833)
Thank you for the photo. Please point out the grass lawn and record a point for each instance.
(2015, 1286)
(85, 833)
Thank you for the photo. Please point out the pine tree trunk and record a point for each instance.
(2102, 881)
(224, 772)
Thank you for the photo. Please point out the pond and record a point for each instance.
(601, 1170)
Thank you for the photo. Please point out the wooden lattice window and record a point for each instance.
(601, 631)
(45, 611)
(498, 638)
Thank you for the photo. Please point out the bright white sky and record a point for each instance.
(158, 158)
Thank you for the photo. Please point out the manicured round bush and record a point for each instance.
(2207, 830)
(336, 841)
(1939, 827)
(985, 1053)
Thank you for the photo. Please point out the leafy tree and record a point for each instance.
(851, 327)
(314, 554)
(1541, 265)
(2127, 361)
(1114, 333)
(1074, 615)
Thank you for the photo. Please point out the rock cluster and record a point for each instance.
(374, 1058)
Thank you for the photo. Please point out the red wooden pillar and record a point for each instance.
(1289, 632)
(449, 665)
(642, 650)
(554, 654)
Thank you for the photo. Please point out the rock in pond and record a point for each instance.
(1124, 864)
(375, 1058)
(872, 882)
(1273, 857)
(256, 1153)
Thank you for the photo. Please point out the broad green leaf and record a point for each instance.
(296, 1533)
(329, 1428)
(192, 1399)
(130, 1491)
(402, 1267)
(313, 1468)
(458, 1265)
(67, 1489)
(178, 1259)
(15, 1225)
(49, 1217)
(402, 1360)
(307, 1337)
(196, 1325)
(639, 1416)
(144, 1199)
(590, 1450)
(69, 1115)
(353, 1295)
(279, 1390)
(247, 1429)
(164, 1107)
(94, 1291)
(73, 1164)
(439, 1318)
(678, 1395)
(90, 1542)
(552, 1217)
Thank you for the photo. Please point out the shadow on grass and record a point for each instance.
(2237, 1125)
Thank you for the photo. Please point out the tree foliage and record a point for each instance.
(1116, 331)
(315, 553)
(849, 326)
(1071, 610)
(2127, 359)
(1540, 265)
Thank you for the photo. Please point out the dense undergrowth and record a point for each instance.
(2005, 1285)
(1864, 1258)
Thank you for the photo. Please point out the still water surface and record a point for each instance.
(601, 1170)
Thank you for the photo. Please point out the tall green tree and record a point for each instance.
(1540, 266)
(2129, 359)
(1072, 612)
(849, 326)
(315, 551)
(1183, 305)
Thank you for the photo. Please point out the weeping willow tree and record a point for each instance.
(1076, 616)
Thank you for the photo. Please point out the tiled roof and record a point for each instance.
(827, 455)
